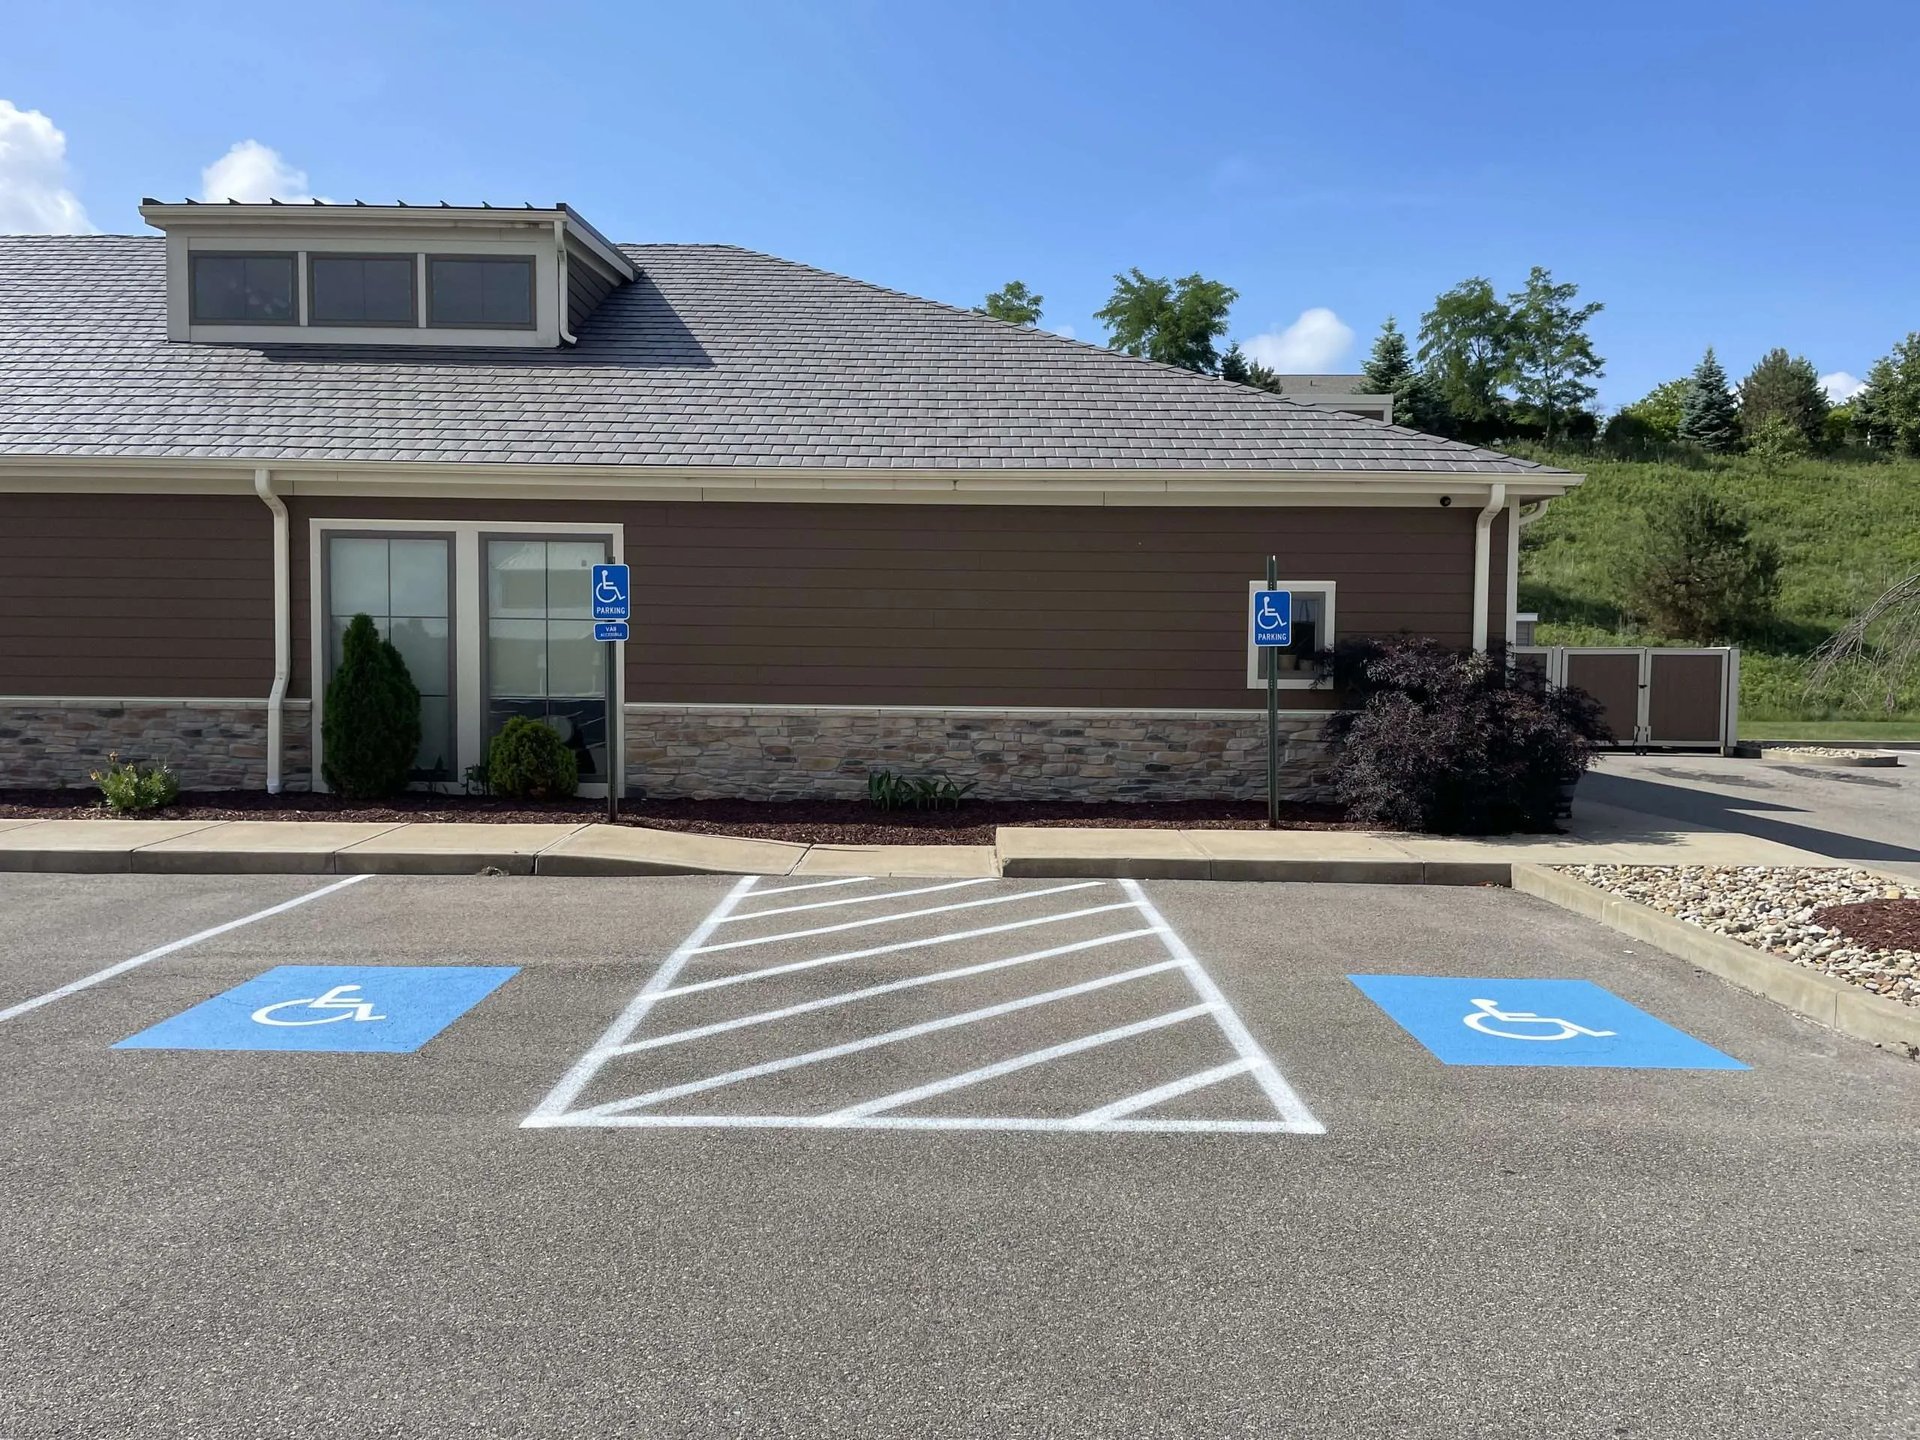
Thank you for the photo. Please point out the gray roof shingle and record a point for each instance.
(715, 357)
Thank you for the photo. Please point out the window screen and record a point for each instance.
(360, 289)
(244, 290)
(491, 291)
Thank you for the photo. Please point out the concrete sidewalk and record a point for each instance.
(1598, 834)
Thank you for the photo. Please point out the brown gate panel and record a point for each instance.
(1613, 680)
(1685, 699)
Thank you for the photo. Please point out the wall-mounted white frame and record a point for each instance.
(469, 574)
(1298, 679)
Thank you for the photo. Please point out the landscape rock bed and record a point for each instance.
(1790, 912)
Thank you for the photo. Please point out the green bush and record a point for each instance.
(370, 724)
(528, 760)
(127, 788)
(1698, 573)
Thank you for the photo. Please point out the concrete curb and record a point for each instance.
(1299, 872)
(1821, 998)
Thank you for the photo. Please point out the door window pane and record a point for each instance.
(401, 583)
(542, 659)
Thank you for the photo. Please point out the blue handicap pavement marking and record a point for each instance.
(1535, 1022)
(390, 1008)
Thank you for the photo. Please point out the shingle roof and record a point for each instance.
(716, 356)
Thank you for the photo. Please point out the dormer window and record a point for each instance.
(480, 291)
(360, 289)
(230, 288)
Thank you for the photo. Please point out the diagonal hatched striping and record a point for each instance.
(717, 1044)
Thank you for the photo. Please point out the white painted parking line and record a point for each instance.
(899, 946)
(1281, 1113)
(870, 1042)
(736, 918)
(813, 885)
(913, 982)
(895, 919)
(88, 981)
(1160, 1094)
(1017, 1062)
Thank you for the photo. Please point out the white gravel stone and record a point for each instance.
(1771, 908)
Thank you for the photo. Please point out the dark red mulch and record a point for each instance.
(1883, 924)
(824, 822)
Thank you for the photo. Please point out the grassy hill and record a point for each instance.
(1846, 529)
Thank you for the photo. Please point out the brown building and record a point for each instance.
(865, 530)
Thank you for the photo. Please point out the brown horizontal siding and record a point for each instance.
(133, 595)
(908, 604)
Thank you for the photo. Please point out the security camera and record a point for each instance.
(1446, 500)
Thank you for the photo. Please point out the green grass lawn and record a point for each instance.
(1846, 528)
(1869, 731)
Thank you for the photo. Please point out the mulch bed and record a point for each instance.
(1884, 924)
(812, 822)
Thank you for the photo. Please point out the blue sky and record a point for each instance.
(1724, 173)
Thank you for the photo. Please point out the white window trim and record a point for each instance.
(469, 705)
(1299, 680)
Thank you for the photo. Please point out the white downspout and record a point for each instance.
(1518, 519)
(1483, 560)
(282, 625)
(567, 337)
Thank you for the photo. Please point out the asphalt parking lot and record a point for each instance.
(697, 1156)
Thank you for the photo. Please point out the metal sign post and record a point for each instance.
(1272, 619)
(612, 606)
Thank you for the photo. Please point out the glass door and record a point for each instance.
(541, 658)
(403, 583)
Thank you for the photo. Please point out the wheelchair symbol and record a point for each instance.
(1488, 1010)
(606, 592)
(1563, 1030)
(338, 1000)
(1269, 616)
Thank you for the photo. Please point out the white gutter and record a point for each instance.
(1483, 560)
(1518, 519)
(282, 625)
(567, 337)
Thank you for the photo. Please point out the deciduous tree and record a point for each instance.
(1014, 303)
(1175, 322)
(1550, 358)
(1887, 411)
(1466, 350)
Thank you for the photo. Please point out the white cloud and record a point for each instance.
(1841, 387)
(1065, 332)
(253, 173)
(1318, 341)
(34, 197)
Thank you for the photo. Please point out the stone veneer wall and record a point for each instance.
(768, 752)
(210, 745)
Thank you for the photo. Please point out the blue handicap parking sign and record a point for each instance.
(1273, 617)
(612, 595)
(1535, 1022)
(391, 1008)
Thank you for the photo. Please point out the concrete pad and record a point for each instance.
(451, 849)
(1104, 853)
(255, 847)
(634, 850)
(904, 860)
(18, 821)
(86, 845)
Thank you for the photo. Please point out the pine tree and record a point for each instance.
(1887, 412)
(1390, 365)
(1786, 390)
(1709, 418)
